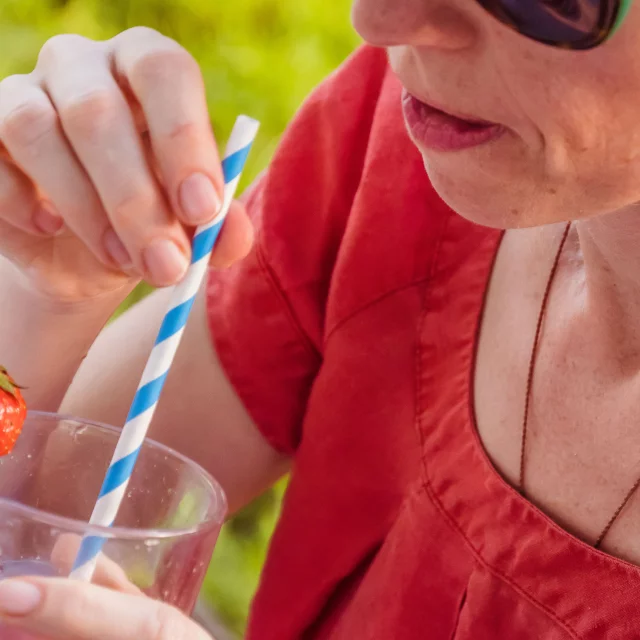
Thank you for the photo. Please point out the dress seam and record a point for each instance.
(419, 365)
(294, 323)
(426, 485)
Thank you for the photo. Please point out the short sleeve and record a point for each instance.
(266, 314)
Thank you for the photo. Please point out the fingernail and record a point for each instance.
(165, 262)
(47, 220)
(199, 199)
(116, 250)
(18, 598)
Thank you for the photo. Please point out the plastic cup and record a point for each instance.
(166, 530)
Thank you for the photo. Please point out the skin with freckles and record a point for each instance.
(573, 147)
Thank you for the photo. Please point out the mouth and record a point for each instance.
(439, 130)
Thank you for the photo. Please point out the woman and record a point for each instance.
(458, 405)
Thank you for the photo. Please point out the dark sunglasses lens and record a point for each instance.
(576, 24)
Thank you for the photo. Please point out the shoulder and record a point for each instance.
(346, 195)
(345, 217)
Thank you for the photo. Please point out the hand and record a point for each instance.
(107, 161)
(60, 609)
(106, 574)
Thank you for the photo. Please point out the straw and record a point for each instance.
(155, 373)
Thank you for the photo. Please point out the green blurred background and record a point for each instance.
(259, 57)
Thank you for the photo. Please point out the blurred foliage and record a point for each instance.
(259, 57)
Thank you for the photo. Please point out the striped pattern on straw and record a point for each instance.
(155, 373)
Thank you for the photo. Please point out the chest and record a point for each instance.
(582, 451)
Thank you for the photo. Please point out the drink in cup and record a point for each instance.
(162, 540)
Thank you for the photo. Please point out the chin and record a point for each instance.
(501, 200)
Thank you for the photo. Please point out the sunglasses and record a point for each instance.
(569, 24)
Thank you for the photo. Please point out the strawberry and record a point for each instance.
(13, 411)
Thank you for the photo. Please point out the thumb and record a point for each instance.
(61, 609)
(236, 237)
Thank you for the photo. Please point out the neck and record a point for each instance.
(609, 252)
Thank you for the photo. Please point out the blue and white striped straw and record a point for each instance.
(155, 373)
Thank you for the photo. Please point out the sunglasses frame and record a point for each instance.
(623, 10)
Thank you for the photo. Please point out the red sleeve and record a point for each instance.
(267, 313)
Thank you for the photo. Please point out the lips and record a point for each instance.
(438, 130)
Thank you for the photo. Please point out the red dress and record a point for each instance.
(350, 335)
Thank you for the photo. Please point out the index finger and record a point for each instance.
(168, 85)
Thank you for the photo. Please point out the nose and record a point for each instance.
(439, 24)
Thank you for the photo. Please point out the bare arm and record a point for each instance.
(199, 413)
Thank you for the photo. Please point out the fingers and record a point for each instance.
(111, 144)
(167, 83)
(107, 573)
(20, 205)
(30, 130)
(99, 125)
(236, 237)
(67, 610)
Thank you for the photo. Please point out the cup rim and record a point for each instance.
(82, 528)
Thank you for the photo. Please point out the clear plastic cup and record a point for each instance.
(164, 535)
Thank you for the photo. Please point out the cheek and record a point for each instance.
(572, 108)
(576, 151)
(591, 139)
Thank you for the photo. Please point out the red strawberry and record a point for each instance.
(13, 411)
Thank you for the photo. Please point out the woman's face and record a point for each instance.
(567, 144)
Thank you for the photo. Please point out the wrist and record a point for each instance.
(21, 291)
(43, 339)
